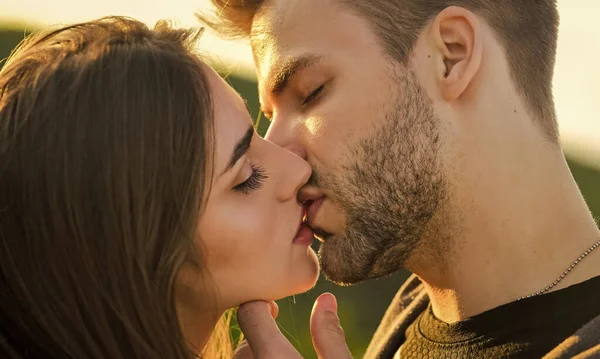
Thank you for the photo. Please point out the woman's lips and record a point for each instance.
(304, 236)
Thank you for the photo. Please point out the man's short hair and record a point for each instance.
(528, 30)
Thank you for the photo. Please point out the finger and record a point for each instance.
(261, 331)
(243, 351)
(274, 309)
(325, 329)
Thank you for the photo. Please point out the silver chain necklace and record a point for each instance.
(565, 273)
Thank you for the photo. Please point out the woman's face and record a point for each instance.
(250, 230)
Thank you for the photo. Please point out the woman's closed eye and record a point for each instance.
(253, 182)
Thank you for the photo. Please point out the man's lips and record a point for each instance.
(312, 209)
(312, 198)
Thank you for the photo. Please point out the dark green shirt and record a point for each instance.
(529, 328)
(563, 323)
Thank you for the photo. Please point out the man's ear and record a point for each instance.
(457, 37)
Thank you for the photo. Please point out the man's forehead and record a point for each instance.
(287, 30)
(267, 50)
(264, 50)
(280, 24)
(277, 12)
(261, 38)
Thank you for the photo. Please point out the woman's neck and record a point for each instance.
(198, 327)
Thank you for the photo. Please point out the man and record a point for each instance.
(431, 130)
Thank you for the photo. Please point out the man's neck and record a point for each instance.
(523, 226)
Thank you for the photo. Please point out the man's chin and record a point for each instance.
(341, 268)
(344, 265)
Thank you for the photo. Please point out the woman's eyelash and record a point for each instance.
(313, 95)
(254, 182)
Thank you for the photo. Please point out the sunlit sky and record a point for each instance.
(576, 83)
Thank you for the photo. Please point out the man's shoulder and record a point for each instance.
(406, 306)
(411, 300)
(583, 344)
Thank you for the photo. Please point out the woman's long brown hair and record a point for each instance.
(105, 148)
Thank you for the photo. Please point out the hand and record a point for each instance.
(265, 341)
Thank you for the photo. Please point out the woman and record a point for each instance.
(137, 204)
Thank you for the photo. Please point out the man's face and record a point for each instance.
(368, 130)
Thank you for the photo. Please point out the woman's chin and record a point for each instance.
(304, 278)
(307, 274)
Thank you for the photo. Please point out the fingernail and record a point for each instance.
(328, 302)
(273, 309)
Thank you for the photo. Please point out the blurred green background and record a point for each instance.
(361, 306)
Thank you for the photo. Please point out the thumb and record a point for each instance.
(256, 319)
(327, 333)
(243, 351)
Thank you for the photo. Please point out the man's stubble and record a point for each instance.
(392, 189)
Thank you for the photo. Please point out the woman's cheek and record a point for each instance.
(255, 216)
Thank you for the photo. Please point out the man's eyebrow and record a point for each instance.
(241, 148)
(281, 75)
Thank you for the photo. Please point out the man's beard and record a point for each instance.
(390, 186)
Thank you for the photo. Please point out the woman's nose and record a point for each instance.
(283, 132)
(297, 150)
(295, 173)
